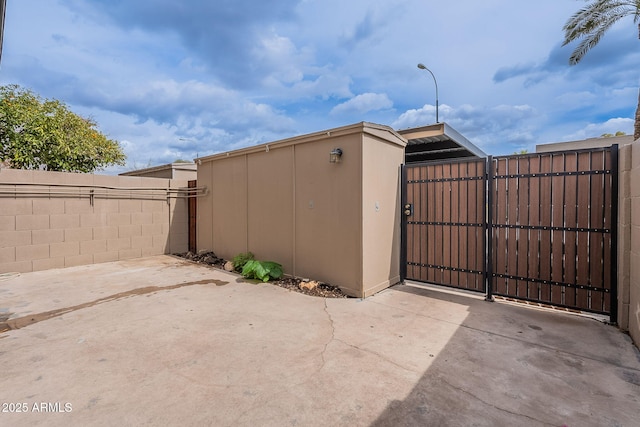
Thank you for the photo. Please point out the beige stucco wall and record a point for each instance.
(286, 202)
(229, 213)
(270, 202)
(381, 214)
(328, 200)
(126, 220)
(629, 241)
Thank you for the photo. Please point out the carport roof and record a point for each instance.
(437, 142)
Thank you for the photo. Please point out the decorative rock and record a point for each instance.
(228, 266)
(309, 285)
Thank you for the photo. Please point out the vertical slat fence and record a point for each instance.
(551, 227)
(445, 233)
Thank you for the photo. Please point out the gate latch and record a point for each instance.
(408, 209)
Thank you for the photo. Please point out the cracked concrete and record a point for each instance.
(161, 341)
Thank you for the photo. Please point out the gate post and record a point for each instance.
(488, 267)
(613, 319)
(403, 223)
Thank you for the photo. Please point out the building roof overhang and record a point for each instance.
(437, 142)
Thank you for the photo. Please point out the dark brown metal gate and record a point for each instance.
(549, 218)
(445, 231)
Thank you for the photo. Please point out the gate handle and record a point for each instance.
(408, 209)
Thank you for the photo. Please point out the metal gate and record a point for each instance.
(539, 227)
(445, 228)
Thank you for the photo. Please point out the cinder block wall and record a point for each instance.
(128, 217)
(624, 235)
(634, 261)
(629, 241)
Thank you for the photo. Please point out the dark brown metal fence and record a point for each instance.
(550, 219)
(552, 228)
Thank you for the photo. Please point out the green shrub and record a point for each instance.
(240, 260)
(262, 270)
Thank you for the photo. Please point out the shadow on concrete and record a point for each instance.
(514, 365)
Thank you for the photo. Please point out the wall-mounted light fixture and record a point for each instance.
(335, 155)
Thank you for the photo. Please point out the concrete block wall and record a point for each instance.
(629, 241)
(624, 235)
(129, 217)
(634, 255)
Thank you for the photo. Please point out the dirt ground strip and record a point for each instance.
(297, 284)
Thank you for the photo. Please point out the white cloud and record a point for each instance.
(363, 103)
(189, 103)
(574, 99)
(329, 84)
(593, 130)
(418, 117)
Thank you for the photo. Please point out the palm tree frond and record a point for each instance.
(590, 23)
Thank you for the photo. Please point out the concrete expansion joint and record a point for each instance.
(492, 405)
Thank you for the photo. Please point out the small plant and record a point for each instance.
(240, 260)
(261, 270)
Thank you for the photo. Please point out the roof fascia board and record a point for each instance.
(365, 127)
(179, 166)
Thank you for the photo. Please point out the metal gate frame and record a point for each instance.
(460, 223)
(601, 295)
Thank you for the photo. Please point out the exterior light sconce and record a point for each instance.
(335, 155)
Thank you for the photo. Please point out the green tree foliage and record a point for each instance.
(36, 132)
(609, 135)
(591, 22)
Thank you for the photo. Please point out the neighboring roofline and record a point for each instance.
(172, 166)
(597, 142)
(365, 127)
(445, 130)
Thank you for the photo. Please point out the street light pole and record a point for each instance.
(422, 67)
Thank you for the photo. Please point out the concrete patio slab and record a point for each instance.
(162, 341)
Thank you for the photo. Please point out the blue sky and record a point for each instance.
(173, 79)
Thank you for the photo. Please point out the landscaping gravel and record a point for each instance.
(296, 284)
